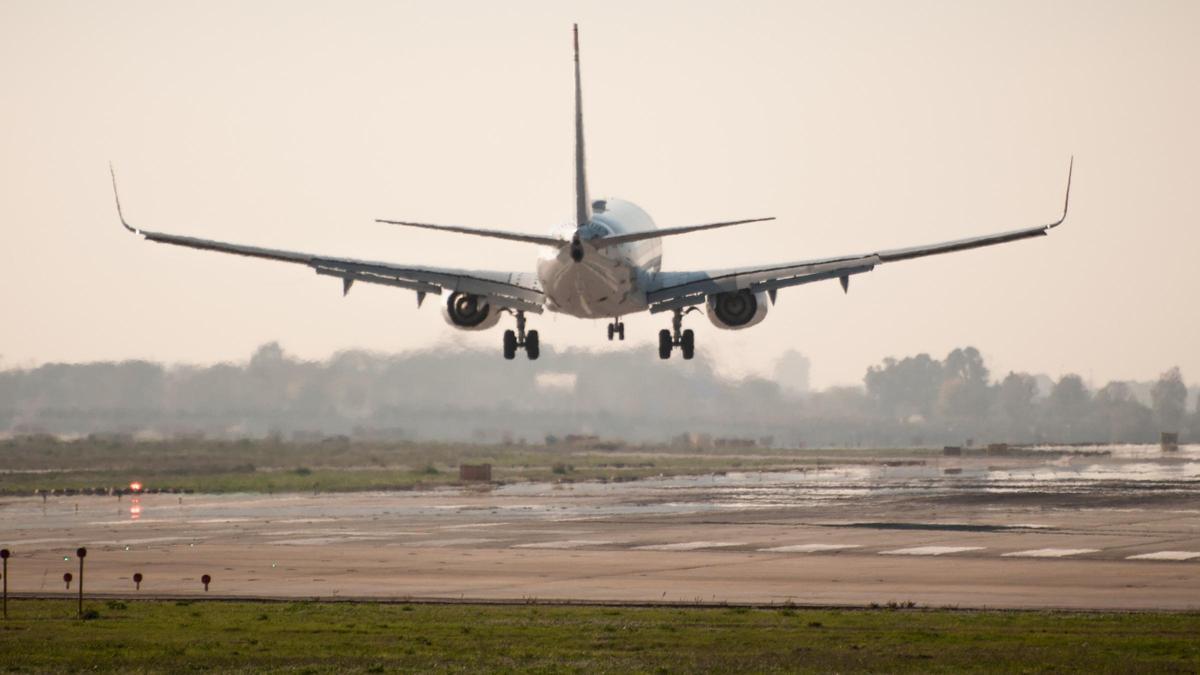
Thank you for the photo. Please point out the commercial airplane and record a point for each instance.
(605, 264)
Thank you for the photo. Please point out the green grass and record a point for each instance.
(340, 465)
(160, 636)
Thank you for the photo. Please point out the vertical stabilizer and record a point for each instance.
(583, 205)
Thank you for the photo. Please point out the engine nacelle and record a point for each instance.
(469, 312)
(735, 310)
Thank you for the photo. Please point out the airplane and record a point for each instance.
(606, 264)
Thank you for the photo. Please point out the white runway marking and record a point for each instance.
(30, 542)
(307, 520)
(931, 550)
(136, 542)
(1049, 552)
(469, 526)
(221, 521)
(440, 543)
(320, 541)
(809, 548)
(688, 546)
(567, 544)
(1166, 555)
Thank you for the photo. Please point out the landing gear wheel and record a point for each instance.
(687, 344)
(532, 348)
(664, 344)
(616, 327)
(510, 345)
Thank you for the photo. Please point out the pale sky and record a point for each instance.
(859, 125)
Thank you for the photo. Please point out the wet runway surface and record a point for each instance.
(1077, 531)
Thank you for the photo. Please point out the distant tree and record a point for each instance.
(1067, 407)
(965, 390)
(1015, 400)
(1169, 400)
(1120, 415)
(792, 370)
(901, 389)
(1195, 435)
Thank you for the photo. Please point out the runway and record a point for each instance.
(1119, 532)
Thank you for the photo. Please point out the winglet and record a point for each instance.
(117, 197)
(1067, 198)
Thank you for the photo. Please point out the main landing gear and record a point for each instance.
(521, 339)
(616, 327)
(676, 337)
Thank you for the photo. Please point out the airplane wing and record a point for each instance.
(514, 290)
(674, 290)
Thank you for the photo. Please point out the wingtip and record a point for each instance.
(117, 198)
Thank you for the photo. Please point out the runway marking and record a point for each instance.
(28, 542)
(307, 520)
(567, 544)
(688, 546)
(1049, 552)
(145, 540)
(470, 525)
(211, 521)
(1166, 555)
(320, 541)
(931, 550)
(441, 543)
(809, 548)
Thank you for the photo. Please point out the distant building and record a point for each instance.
(475, 472)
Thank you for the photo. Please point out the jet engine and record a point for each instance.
(735, 310)
(469, 312)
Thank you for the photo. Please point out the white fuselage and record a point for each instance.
(608, 282)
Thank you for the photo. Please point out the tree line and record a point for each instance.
(467, 395)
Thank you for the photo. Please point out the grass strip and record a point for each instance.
(162, 636)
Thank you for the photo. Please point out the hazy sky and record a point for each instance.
(860, 125)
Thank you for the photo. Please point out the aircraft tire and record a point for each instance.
(664, 344)
(687, 344)
(533, 348)
(510, 345)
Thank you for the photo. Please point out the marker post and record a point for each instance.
(4, 556)
(81, 552)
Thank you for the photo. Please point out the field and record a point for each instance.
(43, 635)
(341, 465)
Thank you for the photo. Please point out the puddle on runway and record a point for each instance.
(1126, 470)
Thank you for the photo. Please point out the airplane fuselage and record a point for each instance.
(607, 282)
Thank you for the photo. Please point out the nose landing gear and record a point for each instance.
(676, 337)
(616, 327)
(520, 339)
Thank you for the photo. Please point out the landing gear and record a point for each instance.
(677, 337)
(520, 339)
(616, 327)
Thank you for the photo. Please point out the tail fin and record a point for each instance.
(583, 205)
